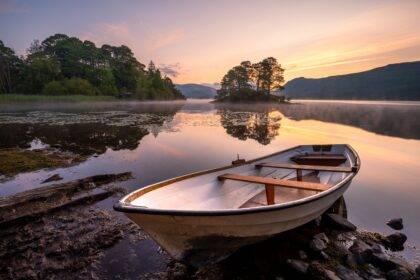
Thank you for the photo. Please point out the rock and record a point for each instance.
(418, 270)
(370, 272)
(347, 274)
(317, 245)
(178, 271)
(382, 261)
(323, 237)
(396, 240)
(376, 248)
(339, 222)
(351, 260)
(362, 252)
(302, 255)
(55, 177)
(398, 274)
(396, 224)
(324, 256)
(299, 266)
(318, 271)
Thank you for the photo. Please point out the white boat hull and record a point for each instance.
(200, 239)
(178, 213)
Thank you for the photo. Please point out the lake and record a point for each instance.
(159, 140)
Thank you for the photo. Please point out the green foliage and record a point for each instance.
(252, 82)
(22, 98)
(63, 65)
(78, 86)
(10, 68)
(54, 88)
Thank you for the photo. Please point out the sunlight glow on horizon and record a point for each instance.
(200, 41)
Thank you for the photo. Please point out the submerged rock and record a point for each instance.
(338, 222)
(396, 224)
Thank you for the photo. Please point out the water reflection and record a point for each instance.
(260, 126)
(86, 133)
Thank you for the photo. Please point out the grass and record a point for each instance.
(6, 98)
(14, 161)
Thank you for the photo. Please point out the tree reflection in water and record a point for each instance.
(85, 133)
(260, 126)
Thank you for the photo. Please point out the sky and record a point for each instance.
(198, 41)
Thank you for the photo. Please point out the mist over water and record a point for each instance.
(158, 140)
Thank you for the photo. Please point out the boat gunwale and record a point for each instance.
(124, 205)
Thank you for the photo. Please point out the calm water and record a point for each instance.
(157, 141)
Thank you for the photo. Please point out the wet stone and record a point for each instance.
(317, 245)
(396, 224)
(398, 274)
(339, 222)
(298, 266)
(322, 236)
(396, 240)
(347, 274)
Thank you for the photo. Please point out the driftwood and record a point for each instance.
(38, 202)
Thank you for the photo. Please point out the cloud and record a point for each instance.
(109, 33)
(166, 39)
(10, 7)
(172, 70)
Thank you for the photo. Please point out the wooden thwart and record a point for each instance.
(307, 167)
(270, 183)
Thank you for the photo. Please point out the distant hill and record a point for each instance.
(392, 82)
(196, 91)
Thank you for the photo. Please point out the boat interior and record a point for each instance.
(279, 178)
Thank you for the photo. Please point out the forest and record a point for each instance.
(249, 82)
(61, 65)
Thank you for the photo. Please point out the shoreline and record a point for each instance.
(34, 99)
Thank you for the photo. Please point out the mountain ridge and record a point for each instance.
(196, 91)
(399, 81)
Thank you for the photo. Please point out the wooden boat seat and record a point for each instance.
(308, 167)
(319, 159)
(270, 183)
(300, 167)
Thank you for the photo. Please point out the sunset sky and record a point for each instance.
(198, 41)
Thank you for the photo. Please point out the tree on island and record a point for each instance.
(63, 65)
(252, 82)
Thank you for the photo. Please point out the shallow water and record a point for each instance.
(156, 141)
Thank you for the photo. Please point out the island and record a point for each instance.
(62, 68)
(253, 82)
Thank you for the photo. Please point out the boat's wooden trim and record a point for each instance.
(307, 167)
(276, 182)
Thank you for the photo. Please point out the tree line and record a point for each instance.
(252, 81)
(63, 65)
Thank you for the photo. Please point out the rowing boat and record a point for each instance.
(205, 216)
